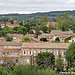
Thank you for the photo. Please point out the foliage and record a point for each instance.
(30, 70)
(59, 63)
(50, 28)
(9, 38)
(70, 55)
(25, 39)
(44, 29)
(45, 60)
(3, 71)
(67, 40)
(55, 41)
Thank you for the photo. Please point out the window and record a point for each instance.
(7, 52)
(3, 53)
(18, 47)
(27, 60)
(34, 53)
(13, 53)
(40, 51)
(0, 60)
(53, 52)
(30, 52)
(17, 60)
(1, 46)
(24, 52)
(7, 46)
(63, 53)
(17, 53)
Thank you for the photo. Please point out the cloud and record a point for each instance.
(32, 6)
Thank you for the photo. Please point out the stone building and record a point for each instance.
(25, 53)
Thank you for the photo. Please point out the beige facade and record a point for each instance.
(26, 52)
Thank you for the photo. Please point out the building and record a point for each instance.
(30, 35)
(70, 38)
(9, 51)
(25, 53)
(15, 24)
(32, 49)
(56, 33)
(2, 39)
(16, 37)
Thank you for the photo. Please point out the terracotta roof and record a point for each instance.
(2, 38)
(30, 35)
(60, 33)
(45, 45)
(16, 35)
(52, 23)
(11, 43)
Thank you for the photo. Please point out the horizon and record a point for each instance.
(34, 12)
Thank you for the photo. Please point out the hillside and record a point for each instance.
(37, 15)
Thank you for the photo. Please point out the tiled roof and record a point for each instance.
(2, 38)
(45, 45)
(16, 35)
(11, 43)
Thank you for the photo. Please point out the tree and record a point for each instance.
(50, 28)
(59, 63)
(21, 23)
(37, 29)
(9, 38)
(25, 39)
(3, 71)
(70, 54)
(44, 60)
(44, 18)
(12, 22)
(59, 21)
(44, 29)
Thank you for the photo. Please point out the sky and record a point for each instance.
(33, 6)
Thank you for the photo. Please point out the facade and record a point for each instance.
(56, 33)
(2, 39)
(25, 53)
(9, 51)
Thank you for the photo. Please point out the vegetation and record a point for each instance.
(25, 39)
(70, 55)
(44, 39)
(45, 60)
(59, 63)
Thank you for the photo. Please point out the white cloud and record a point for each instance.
(30, 6)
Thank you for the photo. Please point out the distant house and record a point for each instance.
(70, 38)
(30, 35)
(3, 24)
(51, 23)
(16, 37)
(2, 39)
(56, 33)
(61, 34)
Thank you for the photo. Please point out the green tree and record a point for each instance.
(44, 29)
(51, 28)
(25, 39)
(45, 60)
(59, 63)
(59, 21)
(44, 18)
(70, 54)
(9, 38)
(3, 71)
